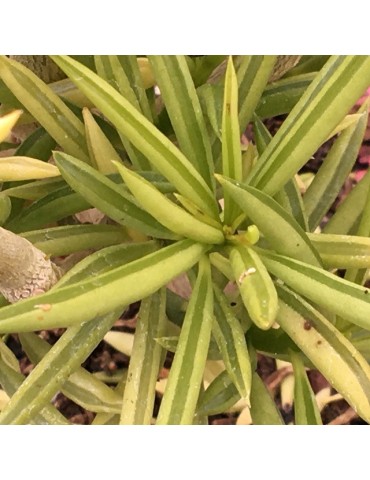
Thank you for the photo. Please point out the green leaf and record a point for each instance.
(98, 296)
(331, 176)
(46, 107)
(344, 298)
(281, 231)
(39, 144)
(324, 104)
(263, 408)
(110, 69)
(105, 260)
(7, 123)
(255, 285)
(306, 411)
(100, 149)
(331, 353)
(289, 197)
(219, 396)
(145, 362)
(180, 398)
(34, 190)
(135, 68)
(280, 97)
(5, 208)
(108, 197)
(170, 215)
(14, 169)
(82, 387)
(56, 205)
(253, 74)
(11, 380)
(342, 251)
(231, 148)
(73, 238)
(230, 339)
(182, 103)
(159, 150)
(348, 213)
(65, 357)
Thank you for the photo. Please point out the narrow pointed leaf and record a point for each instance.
(324, 104)
(108, 197)
(39, 144)
(110, 69)
(289, 197)
(348, 213)
(140, 75)
(332, 174)
(283, 234)
(100, 149)
(34, 190)
(344, 298)
(306, 411)
(253, 74)
(230, 339)
(7, 122)
(73, 238)
(159, 150)
(65, 357)
(342, 251)
(13, 169)
(82, 387)
(180, 398)
(11, 380)
(46, 107)
(173, 76)
(105, 260)
(280, 97)
(98, 296)
(331, 353)
(219, 396)
(170, 215)
(77, 342)
(255, 285)
(145, 362)
(231, 149)
(263, 408)
(54, 206)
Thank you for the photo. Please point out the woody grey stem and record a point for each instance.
(25, 270)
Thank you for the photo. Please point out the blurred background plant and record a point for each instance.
(172, 249)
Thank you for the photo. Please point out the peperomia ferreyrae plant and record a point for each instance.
(229, 248)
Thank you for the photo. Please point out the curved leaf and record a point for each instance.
(108, 197)
(46, 107)
(230, 339)
(324, 104)
(145, 362)
(333, 354)
(344, 298)
(173, 76)
(255, 285)
(98, 296)
(13, 169)
(281, 231)
(342, 251)
(180, 398)
(159, 150)
(173, 217)
(73, 238)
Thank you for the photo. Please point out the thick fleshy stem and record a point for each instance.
(25, 270)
